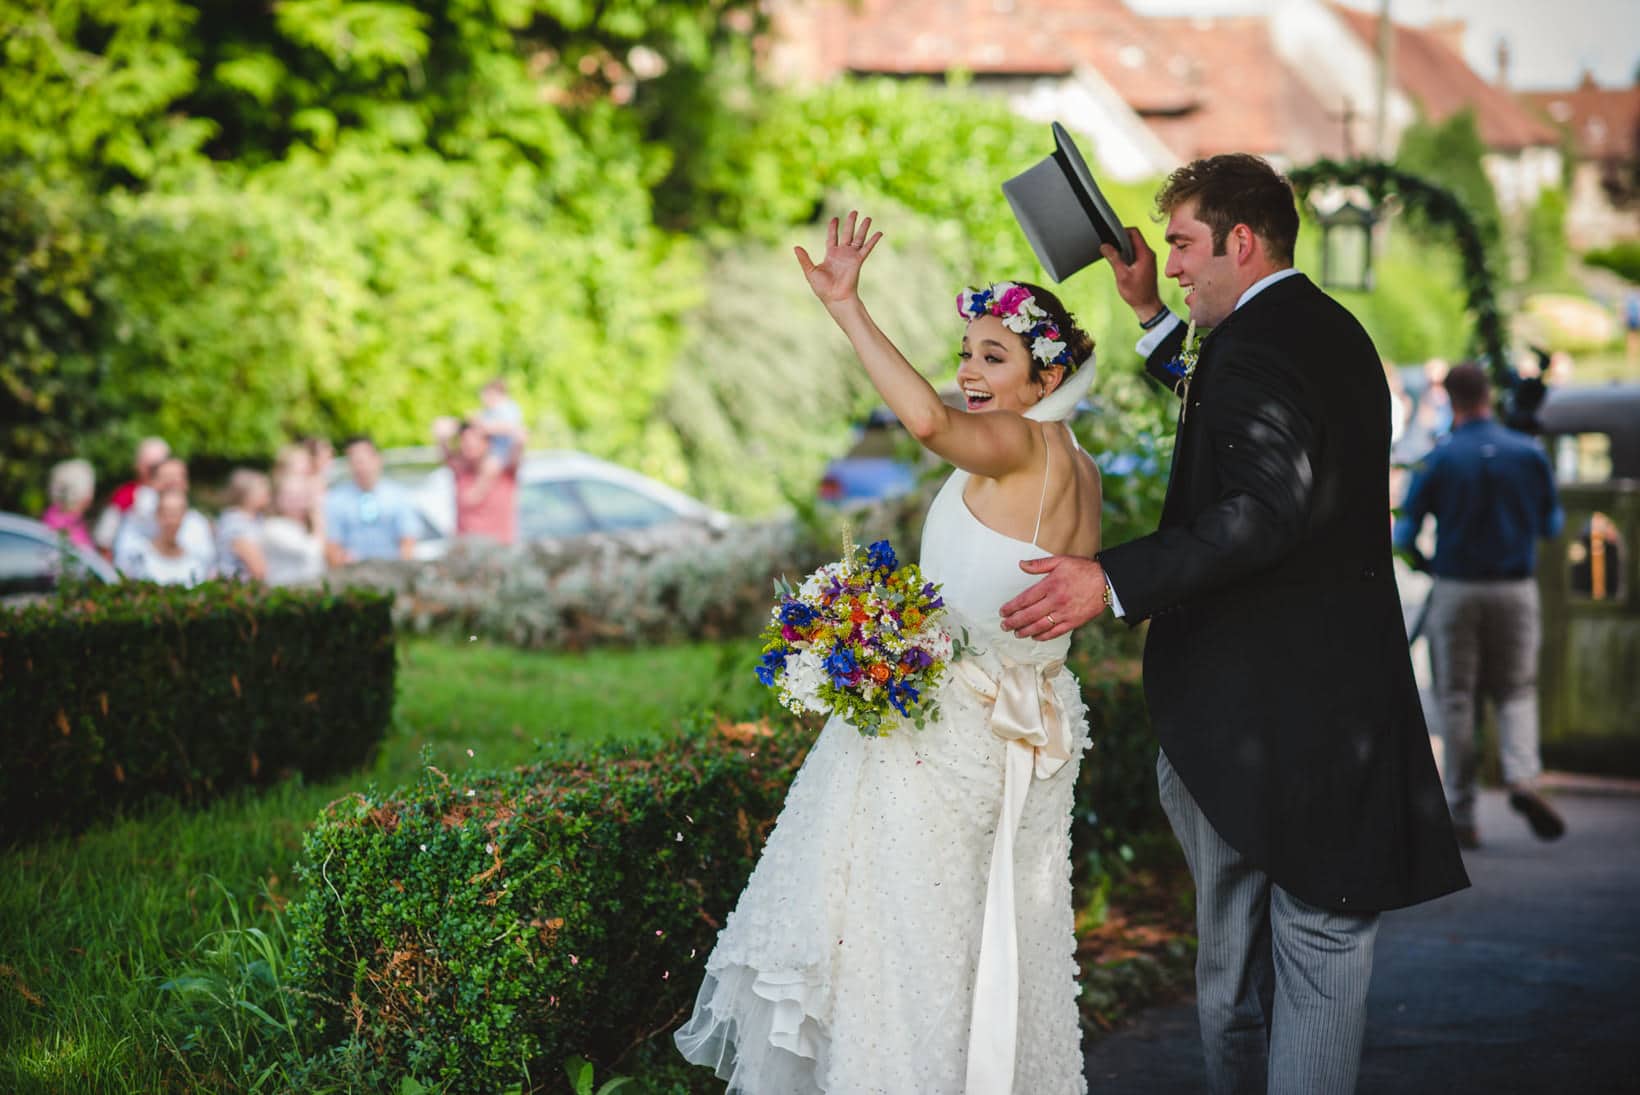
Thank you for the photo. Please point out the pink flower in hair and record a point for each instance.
(1011, 298)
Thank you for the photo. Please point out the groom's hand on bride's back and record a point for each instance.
(1072, 594)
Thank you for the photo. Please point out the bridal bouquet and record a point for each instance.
(860, 638)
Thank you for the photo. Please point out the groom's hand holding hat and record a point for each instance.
(1136, 281)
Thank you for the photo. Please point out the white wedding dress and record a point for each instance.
(892, 938)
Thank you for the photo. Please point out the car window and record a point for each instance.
(550, 509)
(1583, 458)
(26, 565)
(616, 507)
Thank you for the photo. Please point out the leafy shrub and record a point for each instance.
(672, 583)
(1620, 258)
(470, 932)
(1116, 785)
(482, 930)
(50, 245)
(120, 693)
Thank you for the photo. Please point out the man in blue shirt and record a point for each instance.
(1492, 494)
(368, 518)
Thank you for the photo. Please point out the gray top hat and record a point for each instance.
(1063, 214)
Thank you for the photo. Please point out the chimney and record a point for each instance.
(1503, 63)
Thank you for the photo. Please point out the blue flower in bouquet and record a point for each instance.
(880, 556)
(842, 666)
(932, 590)
(774, 661)
(901, 691)
(797, 614)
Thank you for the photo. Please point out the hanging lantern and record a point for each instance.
(1346, 246)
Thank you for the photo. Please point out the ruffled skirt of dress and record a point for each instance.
(848, 964)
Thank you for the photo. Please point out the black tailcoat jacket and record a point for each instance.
(1276, 667)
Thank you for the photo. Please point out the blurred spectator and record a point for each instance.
(1436, 405)
(368, 518)
(70, 491)
(151, 452)
(1561, 365)
(1492, 494)
(486, 485)
(294, 459)
(503, 421)
(139, 524)
(239, 527)
(164, 557)
(293, 536)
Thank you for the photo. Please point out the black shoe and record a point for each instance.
(1543, 819)
(1468, 838)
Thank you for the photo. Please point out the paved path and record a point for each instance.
(1528, 982)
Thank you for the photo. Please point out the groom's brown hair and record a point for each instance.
(1233, 189)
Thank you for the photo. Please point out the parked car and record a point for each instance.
(884, 462)
(561, 493)
(880, 463)
(34, 558)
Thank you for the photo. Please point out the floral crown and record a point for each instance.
(1016, 306)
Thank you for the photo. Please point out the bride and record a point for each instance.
(908, 928)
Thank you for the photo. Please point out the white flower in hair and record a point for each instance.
(1045, 349)
(1019, 323)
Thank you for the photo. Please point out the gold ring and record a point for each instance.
(1050, 619)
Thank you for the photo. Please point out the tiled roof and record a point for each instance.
(1250, 99)
(1432, 73)
(1604, 122)
(1007, 37)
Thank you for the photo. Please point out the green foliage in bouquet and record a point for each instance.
(478, 933)
(117, 694)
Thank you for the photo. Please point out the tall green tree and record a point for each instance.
(1451, 153)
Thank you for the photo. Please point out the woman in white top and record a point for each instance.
(163, 557)
(293, 542)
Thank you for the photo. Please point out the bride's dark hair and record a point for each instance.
(1077, 341)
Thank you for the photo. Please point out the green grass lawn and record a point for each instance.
(92, 926)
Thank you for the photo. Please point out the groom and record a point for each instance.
(1295, 766)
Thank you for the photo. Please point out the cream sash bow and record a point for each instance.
(1027, 714)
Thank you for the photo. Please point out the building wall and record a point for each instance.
(1591, 220)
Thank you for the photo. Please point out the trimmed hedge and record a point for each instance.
(478, 932)
(118, 694)
(467, 933)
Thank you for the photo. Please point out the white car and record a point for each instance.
(34, 558)
(561, 493)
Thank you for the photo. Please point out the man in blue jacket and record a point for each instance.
(1492, 494)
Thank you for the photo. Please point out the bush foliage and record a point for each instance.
(475, 933)
(478, 932)
(116, 694)
(1620, 258)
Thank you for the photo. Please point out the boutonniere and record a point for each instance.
(1183, 368)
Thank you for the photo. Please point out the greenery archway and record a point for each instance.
(1435, 205)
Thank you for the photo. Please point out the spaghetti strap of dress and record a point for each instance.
(1041, 503)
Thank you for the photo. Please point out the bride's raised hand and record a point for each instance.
(837, 278)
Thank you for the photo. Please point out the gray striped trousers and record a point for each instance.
(1281, 986)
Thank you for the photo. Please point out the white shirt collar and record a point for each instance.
(1264, 283)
